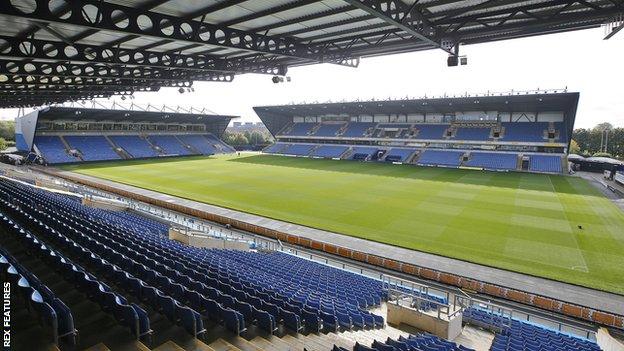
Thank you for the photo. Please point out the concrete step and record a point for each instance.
(279, 343)
(169, 346)
(98, 347)
(222, 345)
(93, 325)
(310, 343)
(241, 343)
(264, 344)
(335, 339)
(295, 342)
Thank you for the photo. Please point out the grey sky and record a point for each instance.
(580, 60)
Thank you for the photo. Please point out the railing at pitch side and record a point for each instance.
(419, 297)
(400, 287)
(544, 320)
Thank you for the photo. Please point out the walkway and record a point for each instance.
(599, 300)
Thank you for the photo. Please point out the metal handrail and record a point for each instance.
(460, 297)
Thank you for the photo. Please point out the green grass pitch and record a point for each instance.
(517, 221)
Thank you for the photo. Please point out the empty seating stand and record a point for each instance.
(440, 158)
(300, 129)
(493, 160)
(362, 153)
(328, 129)
(92, 147)
(399, 155)
(357, 129)
(51, 311)
(53, 150)
(420, 342)
(170, 145)
(431, 131)
(545, 163)
(199, 143)
(298, 149)
(275, 148)
(329, 151)
(188, 284)
(98, 148)
(473, 134)
(517, 335)
(220, 144)
(134, 145)
(524, 131)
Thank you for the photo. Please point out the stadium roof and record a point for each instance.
(84, 114)
(276, 117)
(58, 50)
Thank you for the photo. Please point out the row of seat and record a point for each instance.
(356, 289)
(92, 147)
(166, 297)
(447, 158)
(420, 342)
(493, 161)
(98, 148)
(51, 311)
(503, 161)
(511, 131)
(516, 335)
(127, 314)
(545, 163)
(224, 276)
(53, 150)
(315, 324)
(130, 220)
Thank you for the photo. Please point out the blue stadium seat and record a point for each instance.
(362, 153)
(398, 154)
(513, 334)
(493, 160)
(170, 145)
(265, 320)
(298, 149)
(134, 145)
(291, 320)
(53, 149)
(380, 346)
(431, 131)
(275, 148)
(92, 147)
(524, 131)
(465, 133)
(330, 322)
(360, 347)
(329, 151)
(51, 311)
(328, 129)
(358, 129)
(440, 158)
(312, 321)
(281, 287)
(398, 344)
(199, 143)
(545, 163)
(300, 129)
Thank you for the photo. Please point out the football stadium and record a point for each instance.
(426, 224)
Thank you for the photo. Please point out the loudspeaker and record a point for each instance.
(452, 61)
